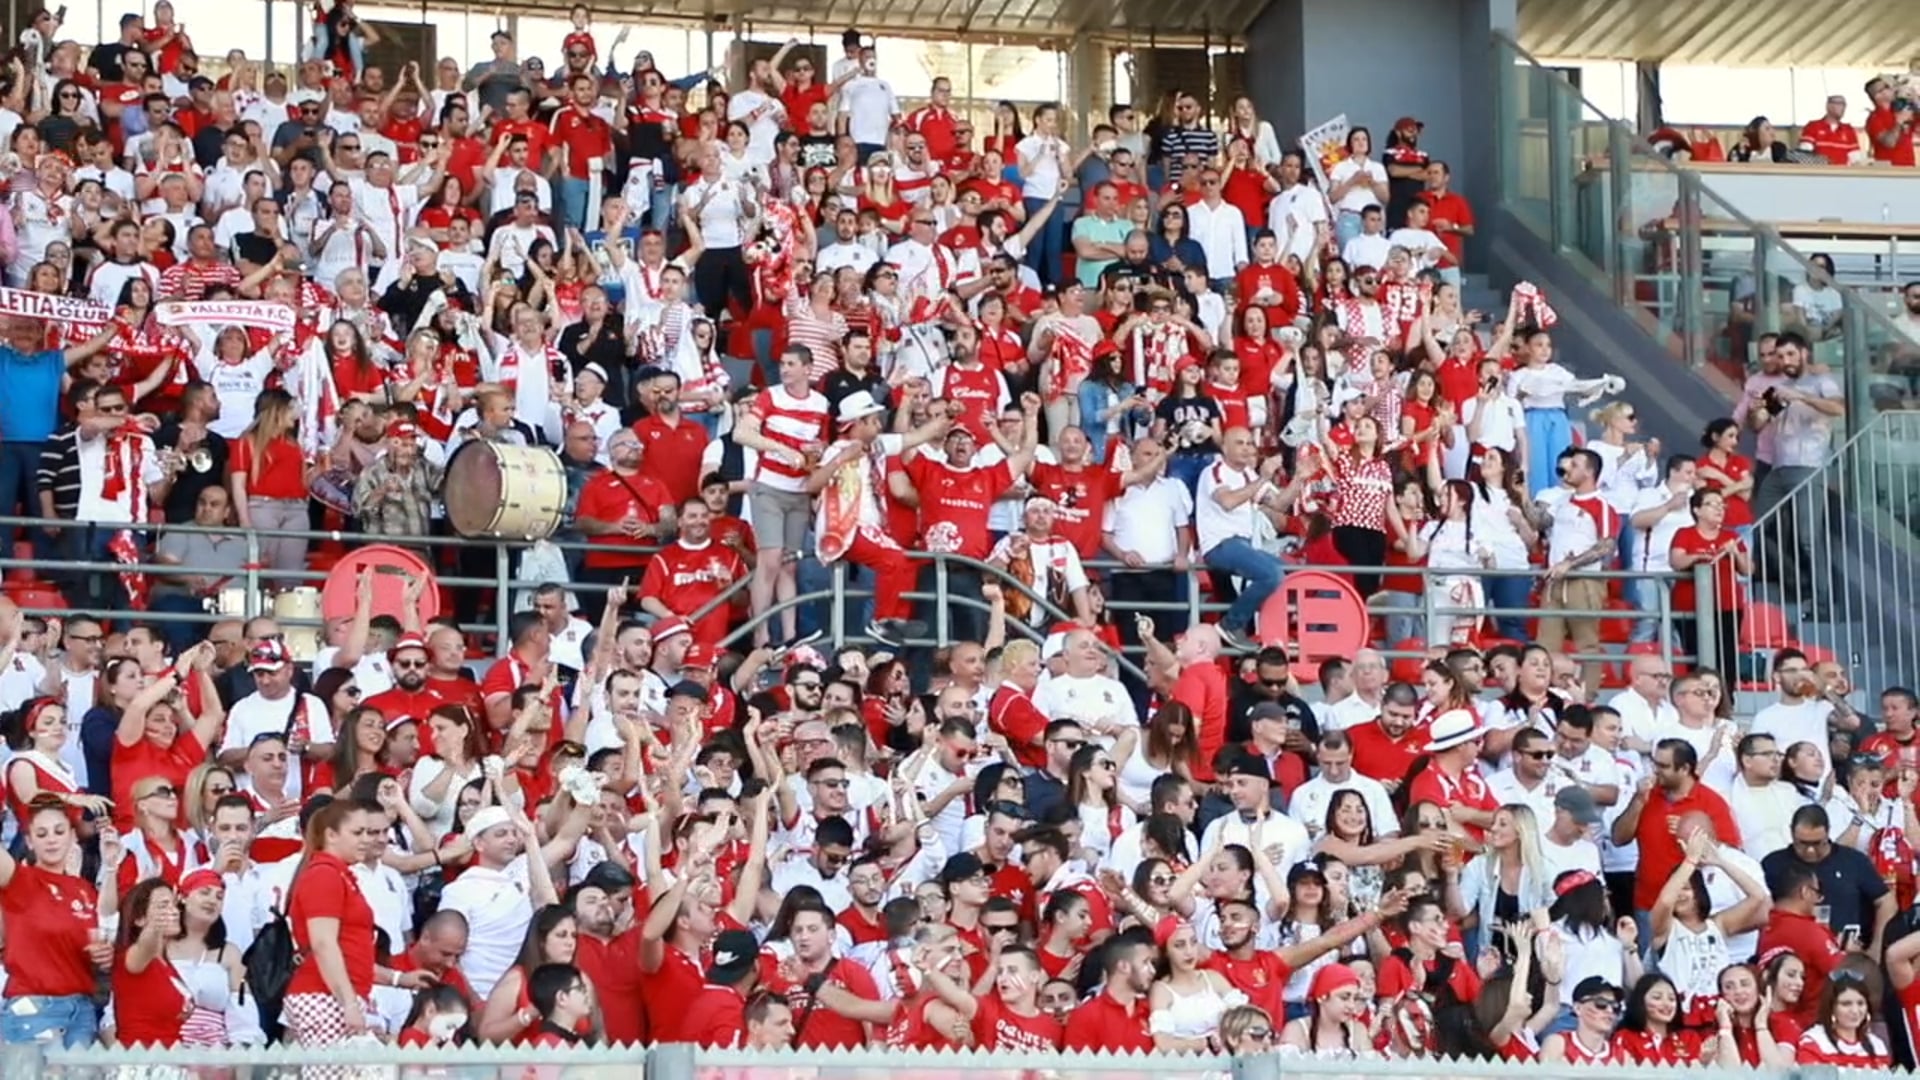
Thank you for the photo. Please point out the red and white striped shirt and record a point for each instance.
(793, 423)
(1819, 1047)
(190, 280)
(822, 337)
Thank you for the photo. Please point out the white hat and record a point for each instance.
(485, 818)
(858, 406)
(1448, 730)
(1055, 644)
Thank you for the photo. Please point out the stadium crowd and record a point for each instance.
(799, 321)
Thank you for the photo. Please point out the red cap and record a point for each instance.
(1572, 880)
(395, 721)
(201, 879)
(268, 656)
(403, 429)
(1407, 122)
(698, 656)
(407, 641)
(669, 627)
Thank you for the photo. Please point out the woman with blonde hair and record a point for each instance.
(1246, 1029)
(1511, 878)
(207, 784)
(268, 472)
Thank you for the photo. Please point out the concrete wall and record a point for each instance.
(1379, 60)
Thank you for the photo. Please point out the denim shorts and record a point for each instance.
(70, 1021)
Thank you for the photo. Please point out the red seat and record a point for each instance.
(35, 594)
(1763, 628)
(1615, 629)
(1407, 669)
(23, 551)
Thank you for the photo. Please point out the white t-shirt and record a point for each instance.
(1789, 724)
(869, 105)
(1212, 523)
(761, 132)
(1045, 157)
(254, 715)
(236, 385)
(1309, 802)
(497, 908)
(1095, 697)
(720, 224)
(1360, 196)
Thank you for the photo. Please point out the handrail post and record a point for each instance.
(1663, 626)
(1692, 293)
(1706, 610)
(940, 614)
(1620, 214)
(837, 621)
(502, 604)
(250, 604)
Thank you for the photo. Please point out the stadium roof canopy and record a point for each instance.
(1729, 33)
(1056, 22)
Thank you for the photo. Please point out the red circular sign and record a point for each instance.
(1316, 616)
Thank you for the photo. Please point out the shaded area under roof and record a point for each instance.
(1731, 33)
(1058, 20)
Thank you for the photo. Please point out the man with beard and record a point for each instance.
(671, 639)
(609, 955)
(1260, 969)
(1115, 1020)
(621, 511)
(862, 918)
(691, 573)
(1385, 747)
(409, 695)
(673, 443)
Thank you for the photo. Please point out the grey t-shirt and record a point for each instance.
(1803, 435)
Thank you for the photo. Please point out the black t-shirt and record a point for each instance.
(1848, 882)
(254, 248)
(816, 151)
(1178, 412)
(191, 480)
(106, 59)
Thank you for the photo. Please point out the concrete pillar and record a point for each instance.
(1430, 59)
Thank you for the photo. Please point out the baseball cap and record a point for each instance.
(1249, 765)
(687, 688)
(407, 641)
(735, 954)
(961, 867)
(669, 627)
(699, 656)
(268, 656)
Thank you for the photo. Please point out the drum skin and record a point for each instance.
(497, 491)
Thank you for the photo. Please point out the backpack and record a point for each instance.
(269, 964)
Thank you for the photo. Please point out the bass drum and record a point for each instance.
(496, 491)
(298, 613)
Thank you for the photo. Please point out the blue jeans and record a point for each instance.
(1187, 468)
(573, 202)
(1512, 591)
(1259, 572)
(1049, 245)
(70, 1021)
(19, 485)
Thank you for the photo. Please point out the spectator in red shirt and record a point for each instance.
(1115, 1020)
(584, 140)
(1386, 747)
(1451, 218)
(1889, 130)
(1202, 688)
(621, 511)
(1652, 815)
(1831, 136)
(691, 573)
(1012, 713)
(1792, 926)
(1451, 778)
(717, 1017)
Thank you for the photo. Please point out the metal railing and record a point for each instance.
(1837, 553)
(1704, 279)
(686, 1062)
(831, 599)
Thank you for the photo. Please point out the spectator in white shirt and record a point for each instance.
(1309, 802)
(1529, 781)
(1355, 183)
(1370, 247)
(1220, 230)
(868, 107)
(1802, 714)
(1567, 842)
(1762, 804)
(823, 868)
(496, 896)
(1644, 707)
(1368, 679)
(1421, 242)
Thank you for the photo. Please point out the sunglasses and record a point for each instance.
(164, 791)
(409, 665)
(1160, 881)
(1603, 1004)
(1537, 755)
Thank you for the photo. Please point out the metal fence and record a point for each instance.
(833, 599)
(1837, 551)
(685, 1062)
(1705, 278)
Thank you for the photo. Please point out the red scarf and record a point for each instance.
(120, 467)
